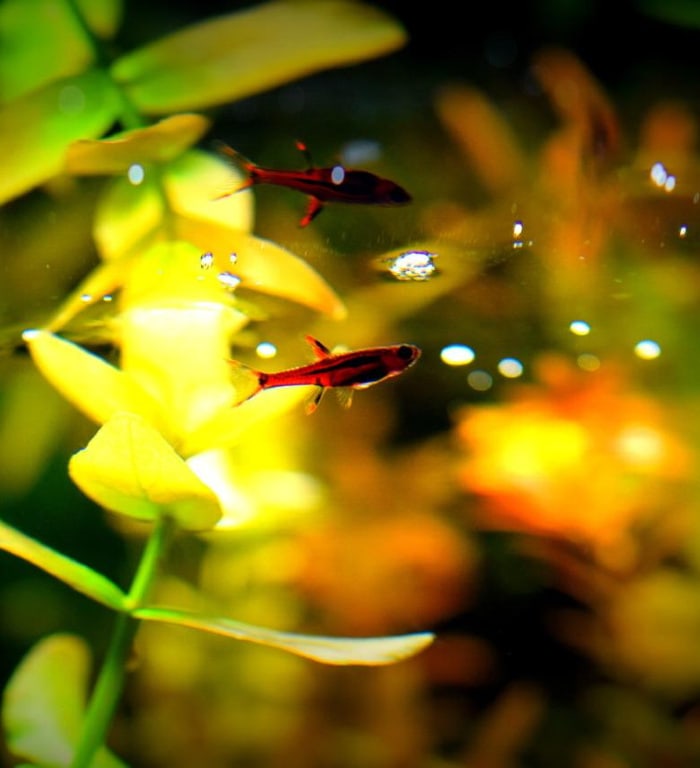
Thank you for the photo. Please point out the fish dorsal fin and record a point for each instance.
(301, 146)
(321, 351)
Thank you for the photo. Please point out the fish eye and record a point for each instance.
(405, 352)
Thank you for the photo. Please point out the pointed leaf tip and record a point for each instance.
(368, 651)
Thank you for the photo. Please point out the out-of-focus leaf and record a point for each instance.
(99, 285)
(44, 704)
(128, 216)
(684, 13)
(157, 143)
(262, 265)
(228, 427)
(41, 430)
(94, 386)
(256, 49)
(36, 130)
(75, 574)
(129, 468)
(194, 184)
(329, 650)
(41, 41)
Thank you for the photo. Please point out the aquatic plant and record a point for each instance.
(172, 265)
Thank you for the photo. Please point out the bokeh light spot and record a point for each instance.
(510, 368)
(647, 350)
(457, 354)
(481, 381)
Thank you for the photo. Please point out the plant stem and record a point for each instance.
(110, 682)
(129, 116)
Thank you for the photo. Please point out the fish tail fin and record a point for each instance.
(243, 375)
(250, 168)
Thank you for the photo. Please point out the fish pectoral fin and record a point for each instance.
(344, 395)
(312, 405)
(321, 351)
(314, 207)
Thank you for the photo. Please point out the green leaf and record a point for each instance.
(157, 143)
(235, 56)
(76, 575)
(42, 41)
(329, 650)
(44, 703)
(36, 130)
(130, 469)
(683, 13)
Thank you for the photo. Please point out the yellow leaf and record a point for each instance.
(194, 181)
(157, 143)
(130, 469)
(253, 50)
(126, 217)
(262, 265)
(130, 216)
(94, 386)
(369, 651)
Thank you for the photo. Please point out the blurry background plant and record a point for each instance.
(528, 491)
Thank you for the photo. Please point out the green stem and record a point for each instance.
(129, 114)
(110, 682)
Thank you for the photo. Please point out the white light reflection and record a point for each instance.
(229, 280)
(136, 174)
(661, 177)
(413, 265)
(206, 260)
(518, 228)
(647, 349)
(579, 328)
(457, 354)
(510, 368)
(266, 350)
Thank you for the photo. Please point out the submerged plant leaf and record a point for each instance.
(44, 704)
(41, 41)
(36, 130)
(131, 216)
(194, 183)
(329, 650)
(235, 56)
(262, 265)
(130, 469)
(156, 143)
(76, 575)
(94, 386)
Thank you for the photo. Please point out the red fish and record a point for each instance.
(346, 371)
(322, 185)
